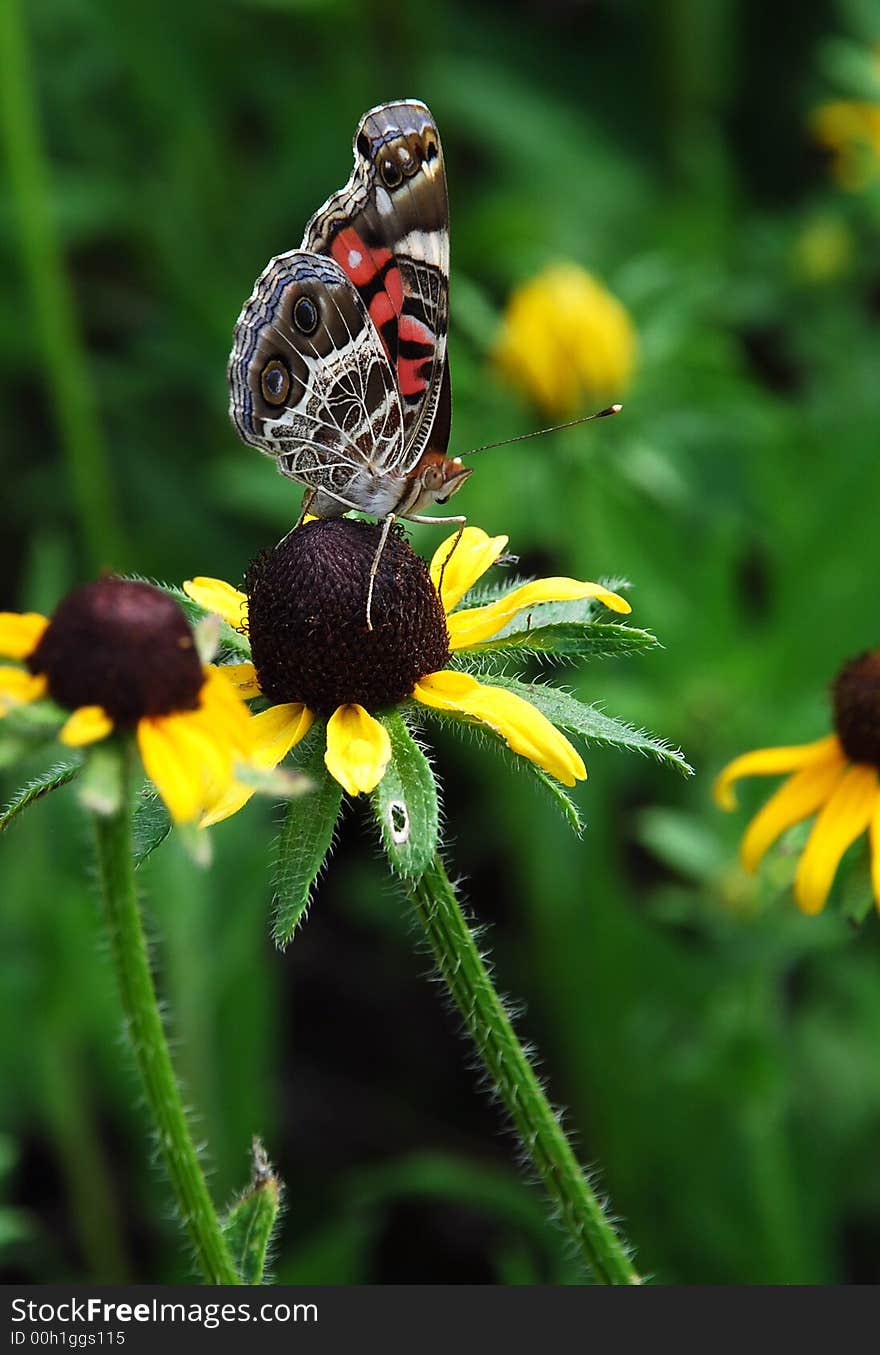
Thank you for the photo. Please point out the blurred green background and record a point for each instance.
(718, 1054)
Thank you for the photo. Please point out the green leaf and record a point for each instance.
(38, 718)
(405, 803)
(151, 824)
(575, 717)
(853, 65)
(856, 894)
(558, 793)
(683, 842)
(305, 838)
(197, 844)
(100, 788)
(25, 728)
(251, 1221)
(35, 789)
(570, 639)
(14, 747)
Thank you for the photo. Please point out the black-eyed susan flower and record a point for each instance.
(313, 656)
(834, 778)
(564, 337)
(119, 655)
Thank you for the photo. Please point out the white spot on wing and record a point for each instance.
(354, 258)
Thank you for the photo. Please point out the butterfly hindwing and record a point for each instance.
(388, 229)
(310, 381)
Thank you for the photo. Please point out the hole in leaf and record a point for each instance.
(398, 819)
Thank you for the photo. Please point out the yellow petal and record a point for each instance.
(86, 725)
(243, 677)
(875, 854)
(274, 732)
(277, 730)
(771, 762)
(465, 562)
(18, 688)
(20, 633)
(217, 596)
(222, 712)
(800, 796)
(223, 723)
(234, 798)
(446, 689)
(481, 623)
(192, 756)
(358, 749)
(527, 731)
(190, 761)
(846, 815)
(173, 761)
(523, 727)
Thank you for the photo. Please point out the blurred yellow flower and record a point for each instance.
(118, 655)
(850, 130)
(564, 337)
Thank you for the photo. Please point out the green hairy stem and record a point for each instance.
(146, 1036)
(514, 1080)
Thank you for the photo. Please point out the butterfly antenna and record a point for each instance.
(554, 428)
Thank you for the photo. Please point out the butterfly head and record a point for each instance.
(437, 478)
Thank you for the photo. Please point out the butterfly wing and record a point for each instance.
(310, 382)
(388, 229)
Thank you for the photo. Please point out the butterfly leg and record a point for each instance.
(374, 567)
(445, 522)
(308, 499)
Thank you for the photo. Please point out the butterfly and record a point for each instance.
(339, 367)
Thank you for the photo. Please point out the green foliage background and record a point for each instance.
(719, 1055)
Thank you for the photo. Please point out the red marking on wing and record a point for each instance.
(412, 330)
(361, 264)
(413, 373)
(356, 259)
(394, 288)
(409, 375)
(381, 310)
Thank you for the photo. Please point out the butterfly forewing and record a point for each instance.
(388, 229)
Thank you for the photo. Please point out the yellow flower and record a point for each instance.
(324, 649)
(850, 130)
(834, 778)
(564, 337)
(119, 655)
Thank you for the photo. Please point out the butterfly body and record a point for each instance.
(434, 481)
(338, 367)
